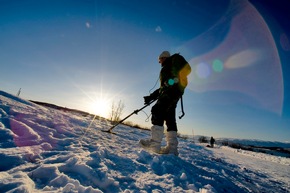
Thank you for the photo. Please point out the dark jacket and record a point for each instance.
(173, 77)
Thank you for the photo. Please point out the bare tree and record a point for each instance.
(116, 111)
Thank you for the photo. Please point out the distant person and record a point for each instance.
(212, 141)
(173, 80)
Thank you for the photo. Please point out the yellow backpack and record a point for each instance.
(181, 69)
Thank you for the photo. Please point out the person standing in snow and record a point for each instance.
(212, 140)
(167, 97)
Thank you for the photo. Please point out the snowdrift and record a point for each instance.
(44, 149)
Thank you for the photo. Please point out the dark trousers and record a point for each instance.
(164, 111)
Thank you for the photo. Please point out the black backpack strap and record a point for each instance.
(182, 110)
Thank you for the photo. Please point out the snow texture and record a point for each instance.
(48, 150)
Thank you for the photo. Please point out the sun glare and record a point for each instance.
(100, 107)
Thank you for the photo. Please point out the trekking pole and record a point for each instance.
(135, 112)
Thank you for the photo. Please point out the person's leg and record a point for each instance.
(171, 135)
(154, 143)
(157, 130)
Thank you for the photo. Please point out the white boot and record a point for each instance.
(154, 143)
(172, 143)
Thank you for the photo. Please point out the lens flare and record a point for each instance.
(244, 59)
(203, 70)
(285, 42)
(217, 65)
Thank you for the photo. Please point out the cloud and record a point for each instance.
(158, 29)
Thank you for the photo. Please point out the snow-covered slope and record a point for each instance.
(47, 150)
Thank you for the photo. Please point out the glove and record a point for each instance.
(151, 97)
(147, 99)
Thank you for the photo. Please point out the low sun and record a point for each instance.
(100, 107)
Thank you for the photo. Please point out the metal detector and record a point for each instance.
(135, 112)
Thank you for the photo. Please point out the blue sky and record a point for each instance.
(84, 54)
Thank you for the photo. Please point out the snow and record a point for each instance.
(47, 150)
